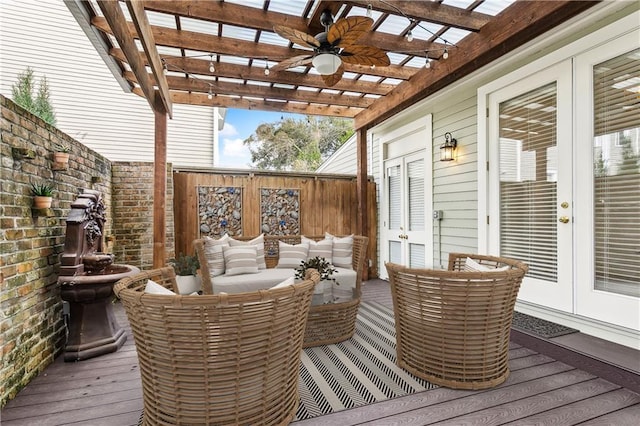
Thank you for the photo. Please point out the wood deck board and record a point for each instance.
(107, 391)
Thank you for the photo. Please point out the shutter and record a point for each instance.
(415, 174)
(527, 163)
(394, 184)
(616, 154)
(416, 256)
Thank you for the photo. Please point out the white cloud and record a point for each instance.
(228, 130)
(234, 154)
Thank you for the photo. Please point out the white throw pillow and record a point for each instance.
(290, 256)
(286, 283)
(342, 254)
(473, 266)
(322, 248)
(153, 287)
(258, 242)
(240, 260)
(213, 253)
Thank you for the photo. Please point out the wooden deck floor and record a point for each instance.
(541, 390)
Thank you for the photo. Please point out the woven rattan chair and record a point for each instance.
(217, 359)
(453, 326)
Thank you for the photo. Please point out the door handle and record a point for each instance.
(564, 219)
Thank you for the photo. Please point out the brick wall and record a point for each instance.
(132, 186)
(31, 325)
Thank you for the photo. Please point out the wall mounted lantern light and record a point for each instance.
(448, 147)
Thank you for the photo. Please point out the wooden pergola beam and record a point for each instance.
(118, 27)
(184, 84)
(430, 11)
(145, 35)
(223, 69)
(257, 19)
(191, 40)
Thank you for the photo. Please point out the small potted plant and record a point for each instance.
(323, 292)
(62, 154)
(186, 267)
(42, 195)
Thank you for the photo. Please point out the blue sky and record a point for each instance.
(239, 124)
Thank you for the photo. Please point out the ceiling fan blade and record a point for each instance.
(297, 37)
(365, 55)
(346, 31)
(293, 62)
(332, 79)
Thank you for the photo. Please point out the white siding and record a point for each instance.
(454, 110)
(344, 160)
(90, 105)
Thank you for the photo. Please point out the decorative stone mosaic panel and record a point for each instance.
(280, 211)
(220, 211)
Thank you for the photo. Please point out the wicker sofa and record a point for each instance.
(328, 322)
(217, 359)
(453, 326)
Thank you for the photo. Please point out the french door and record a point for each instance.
(530, 182)
(405, 218)
(608, 186)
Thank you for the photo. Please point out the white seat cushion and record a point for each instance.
(264, 279)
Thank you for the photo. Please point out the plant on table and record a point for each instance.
(320, 264)
(185, 264)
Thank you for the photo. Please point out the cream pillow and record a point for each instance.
(258, 242)
(342, 252)
(290, 256)
(473, 266)
(213, 253)
(153, 287)
(286, 283)
(240, 260)
(322, 248)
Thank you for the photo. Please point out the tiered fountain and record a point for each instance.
(87, 276)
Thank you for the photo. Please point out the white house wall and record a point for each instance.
(90, 105)
(457, 184)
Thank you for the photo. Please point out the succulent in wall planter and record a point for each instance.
(42, 196)
(62, 154)
(186, 268)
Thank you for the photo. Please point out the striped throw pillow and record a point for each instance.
(240, 260)
(291, 255)
(259, 243)
(213, 253)
(342, 250)
(322, 248)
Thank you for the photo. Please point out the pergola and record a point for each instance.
(223, 53)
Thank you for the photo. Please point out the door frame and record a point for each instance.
(389, 150)
(537, 290)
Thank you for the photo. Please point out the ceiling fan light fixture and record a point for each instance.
(326, 63)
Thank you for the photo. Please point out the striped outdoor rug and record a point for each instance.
(361, 370)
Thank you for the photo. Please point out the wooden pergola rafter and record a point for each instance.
(149, 41)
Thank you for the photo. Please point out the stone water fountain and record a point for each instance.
(87, 276)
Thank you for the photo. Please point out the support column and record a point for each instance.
(362, 189)
(160, 185)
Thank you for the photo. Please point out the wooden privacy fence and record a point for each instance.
(277, 203)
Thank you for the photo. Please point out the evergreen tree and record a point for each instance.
(22, 93)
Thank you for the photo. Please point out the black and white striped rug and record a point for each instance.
(358, 371)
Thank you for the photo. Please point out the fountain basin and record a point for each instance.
(93, 328)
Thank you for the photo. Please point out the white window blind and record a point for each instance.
(415, 173)
(394, 184)
(416, 255)
(527, 180)
(616, 154)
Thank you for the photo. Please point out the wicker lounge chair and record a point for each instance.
(453, 325)
(217, 359)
